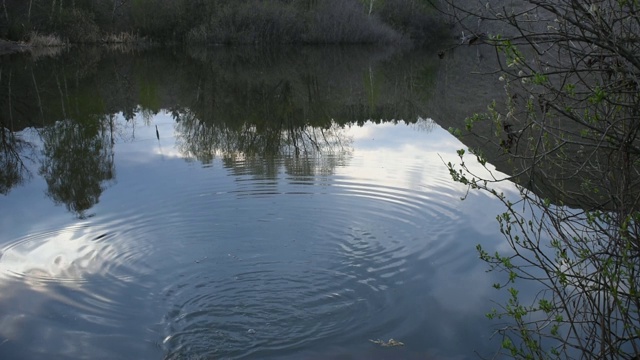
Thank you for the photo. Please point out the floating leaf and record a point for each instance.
(389, 343)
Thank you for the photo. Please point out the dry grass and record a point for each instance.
(121, 38)
(42, 52)
(39, 40)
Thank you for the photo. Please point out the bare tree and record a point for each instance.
(569, 121)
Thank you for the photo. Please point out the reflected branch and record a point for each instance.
(13, 171)
(206, 141)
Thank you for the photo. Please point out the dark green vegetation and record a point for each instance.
(570, 124)
(220, 21)
(226, 103)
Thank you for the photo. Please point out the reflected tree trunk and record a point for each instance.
(35, 84)
(64, 111)
(9, 98)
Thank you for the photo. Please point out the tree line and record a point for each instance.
(220, 21)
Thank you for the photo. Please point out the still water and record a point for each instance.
(217, 204)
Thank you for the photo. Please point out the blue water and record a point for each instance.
(196, 251)
(185, 261)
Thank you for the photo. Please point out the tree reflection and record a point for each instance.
(259, 111)
(271, 123)
(307, 149)
(12, 169)
(78, 159)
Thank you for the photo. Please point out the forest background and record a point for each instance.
(219, 21)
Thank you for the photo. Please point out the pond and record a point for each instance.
(236, 203)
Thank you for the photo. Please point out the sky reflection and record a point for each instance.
(383, 220)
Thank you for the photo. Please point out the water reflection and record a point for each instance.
(324, 264)
(78, 161)
(66, 291)
(283, 210)
(13, 170)
(291, 139)
(235, 262)
(240, 104)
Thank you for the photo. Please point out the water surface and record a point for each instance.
(232, 204)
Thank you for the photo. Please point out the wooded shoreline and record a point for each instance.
(221, 21)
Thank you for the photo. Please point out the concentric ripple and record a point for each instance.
(68, 255)
(67, 290)
(248, 258)
(299, 262)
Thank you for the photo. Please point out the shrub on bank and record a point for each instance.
(252, 22)
(413, 18)
(329, 21)
(78, 26)
(340, 21)
(225, 21)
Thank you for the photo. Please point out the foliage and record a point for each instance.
(570, 124)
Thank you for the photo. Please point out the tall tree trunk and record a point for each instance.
(29, 13)
(4, 5)
(53, 9)
(113, 13)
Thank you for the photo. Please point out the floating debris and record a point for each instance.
(389, 343)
